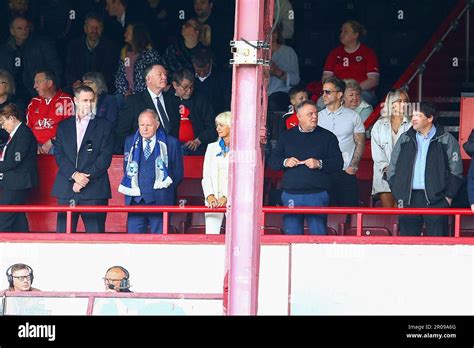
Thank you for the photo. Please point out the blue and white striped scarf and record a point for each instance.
(129, 185)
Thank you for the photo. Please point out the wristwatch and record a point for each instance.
(320, 164)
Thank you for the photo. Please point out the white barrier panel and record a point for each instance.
(158, 268)
(327, 279)
(343, 279)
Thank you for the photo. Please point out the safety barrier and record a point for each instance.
(166, 210)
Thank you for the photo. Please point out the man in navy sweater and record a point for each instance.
(309, 155)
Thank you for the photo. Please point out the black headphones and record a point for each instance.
(19, 266)
(124, 283)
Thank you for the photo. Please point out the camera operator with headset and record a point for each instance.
(20, 278)
(117, 279)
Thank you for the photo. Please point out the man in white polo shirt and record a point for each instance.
(347, 125)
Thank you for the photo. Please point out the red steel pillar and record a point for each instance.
(249, 99)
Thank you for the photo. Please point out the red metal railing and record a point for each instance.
(375, 211)
(166, 210)
(92, 296)
(414, 68)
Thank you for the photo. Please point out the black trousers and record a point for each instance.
(13, 221)
(344, 190)
(436, 225)
(93, 222)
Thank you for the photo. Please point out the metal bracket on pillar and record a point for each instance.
(246, 52)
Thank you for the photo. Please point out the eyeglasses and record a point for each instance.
(110, 280)
(22, 278)
(327, 91)
(187, 88)
(3, 82)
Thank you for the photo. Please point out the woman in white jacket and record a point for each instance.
(392, 124)
(216, 173)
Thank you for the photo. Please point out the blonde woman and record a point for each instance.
(392, 124)
(215, 173)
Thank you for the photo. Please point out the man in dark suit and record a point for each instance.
(91, 52)
(212, 82)
(153, 167)
(121, 14)
(23, 54)
(84, 146)
(156, 80)
(18, 170)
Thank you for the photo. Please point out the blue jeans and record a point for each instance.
(294, 223)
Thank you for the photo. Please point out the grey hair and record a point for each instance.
(225, 118)
(303, 104)
(99, 80)
(152, 112)
(353, 84)
(10, 81)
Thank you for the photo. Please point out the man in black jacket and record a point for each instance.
(212, 82)
(18, 169)
(425, 172)
(83, 151)
(197, 118)
(92, 52)
(23, 55)
(156, 78)
(309, 155)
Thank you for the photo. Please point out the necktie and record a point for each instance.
(164, 117)
(2, 151)
(147, 148)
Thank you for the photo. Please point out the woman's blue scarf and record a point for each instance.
(224, 149)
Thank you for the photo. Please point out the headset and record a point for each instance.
(124, 283)
(9, 272)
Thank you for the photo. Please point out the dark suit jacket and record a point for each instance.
(217, 88)
(104, 58)
(36, 53)
(134, 105)
(202, 117)
(135, 12)
(19, 168)
(175, 171)
(94, 157)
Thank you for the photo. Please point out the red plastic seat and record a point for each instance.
(368, 231)
(191, 219)
(267, 230)
(200, 229)
(330, 231)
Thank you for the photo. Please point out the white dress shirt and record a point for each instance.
(81, 127)
(162, 100)
(152, 143)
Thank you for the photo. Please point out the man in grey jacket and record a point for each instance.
(425, 172)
